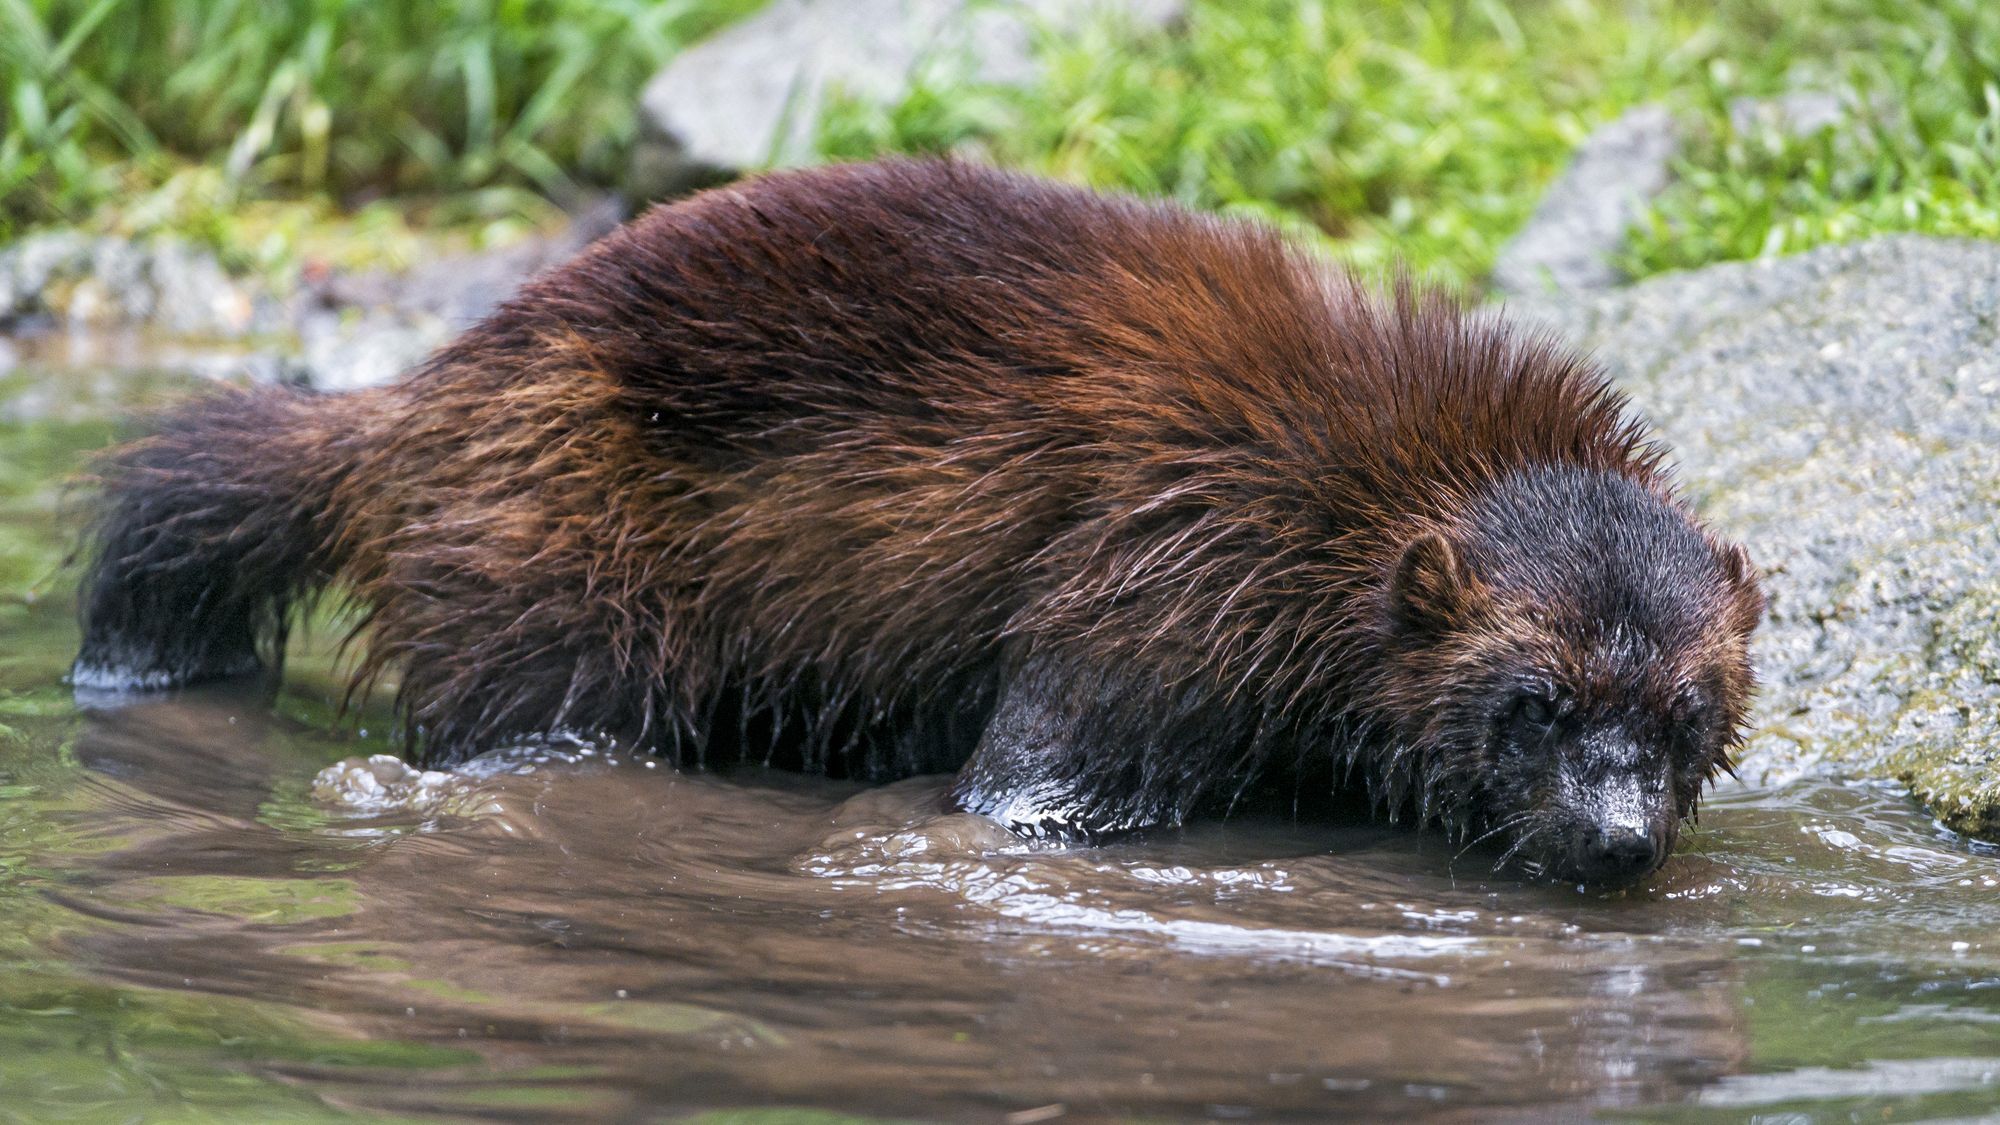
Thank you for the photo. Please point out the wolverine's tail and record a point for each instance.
(207, 534)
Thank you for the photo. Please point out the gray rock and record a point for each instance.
(193, 296)
(336, 332)
(462, 288)
(1839, 411)
(39, 258)
(750, 96)
(354, 348)
(1569, 242)
(102, 283)
(365, 329)
(27, 267)
(118, 288)
(1798, 114)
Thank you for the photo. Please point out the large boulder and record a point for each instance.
(751, 95)
(1839, 411)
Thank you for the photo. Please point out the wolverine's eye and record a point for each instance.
(1534, 709)
(1691, 713)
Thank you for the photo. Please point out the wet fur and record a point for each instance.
(880, 468)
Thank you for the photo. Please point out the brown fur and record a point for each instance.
(820, 461)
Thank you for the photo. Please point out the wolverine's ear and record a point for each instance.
(1742, 576)
(1736, 564)
(1431, 586)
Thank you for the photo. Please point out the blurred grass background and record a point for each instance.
(135, 115)
(1426, 131)
(1419, 130)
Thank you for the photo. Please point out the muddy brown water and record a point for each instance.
(190, 929)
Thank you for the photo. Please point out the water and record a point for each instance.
(189, 931)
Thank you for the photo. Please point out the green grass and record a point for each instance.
(1424, 132)
(1394, 131)
(104, 100)
(1919, 149)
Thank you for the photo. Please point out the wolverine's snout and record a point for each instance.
(1614, 854)
(1621, 825)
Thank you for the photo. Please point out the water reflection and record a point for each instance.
(583, 934)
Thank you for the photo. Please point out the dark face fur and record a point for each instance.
(1574, 659)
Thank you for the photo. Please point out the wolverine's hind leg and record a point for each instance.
(482, 668)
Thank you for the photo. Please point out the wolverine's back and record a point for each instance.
(821, 468)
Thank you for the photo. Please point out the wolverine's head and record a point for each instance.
(1567, 666)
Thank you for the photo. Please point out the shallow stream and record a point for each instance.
(189, 930)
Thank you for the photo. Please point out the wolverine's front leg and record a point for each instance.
(1074, 752)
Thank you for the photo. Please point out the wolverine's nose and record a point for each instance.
(1616, 853)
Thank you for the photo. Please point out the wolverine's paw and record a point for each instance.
(1049, 812)
(106, 673)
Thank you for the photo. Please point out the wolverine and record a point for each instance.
(1119, 511)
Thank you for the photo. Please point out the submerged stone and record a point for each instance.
(1839, 412)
